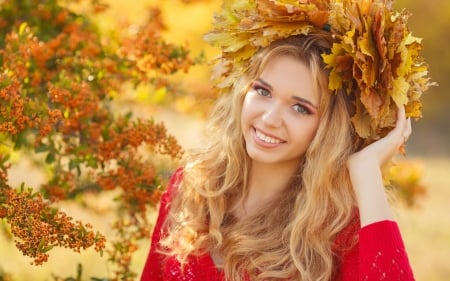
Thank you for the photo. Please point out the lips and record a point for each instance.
(267, 138)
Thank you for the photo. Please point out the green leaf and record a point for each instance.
(50, 158)
(4, 159)
(41, 148)
(74, 163)
(46, 249)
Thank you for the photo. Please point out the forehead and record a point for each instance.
(290, 76)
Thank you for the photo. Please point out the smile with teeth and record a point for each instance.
(267, 139)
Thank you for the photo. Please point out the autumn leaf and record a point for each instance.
(406, 177)
(400, 91)
(361, 121)
(372, 102)
(414, 109)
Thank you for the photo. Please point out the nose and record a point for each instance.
(272, 116)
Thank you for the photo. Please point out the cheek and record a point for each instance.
(313, 133)
(306, 132)
(246, 111)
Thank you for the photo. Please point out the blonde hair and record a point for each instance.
(317, 204)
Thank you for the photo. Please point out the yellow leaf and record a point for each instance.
(22, 28)
(142, 93)
(283, 31)
(362, 126)
(388, 114)
(413, 109)
(221, 68)
(330, 59)
(159, 95)
(412, 39)
(400, 91)
(348, 44)
(335, 81)
(232, 11)
(337, 18)
(367, 47)
(361, 121)
(276, 8)
(230, 42)
(409, 49)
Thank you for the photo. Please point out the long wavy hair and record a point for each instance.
(292, 238)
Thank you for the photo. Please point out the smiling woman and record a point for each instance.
(289, 184)
(279, 192)
(279, 113)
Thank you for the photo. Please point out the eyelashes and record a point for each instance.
(265, 92)
(261, 90)
(301, 108)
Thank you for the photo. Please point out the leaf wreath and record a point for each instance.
(375, 57)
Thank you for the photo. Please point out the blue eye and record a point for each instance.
(262, 91)
(301, 109)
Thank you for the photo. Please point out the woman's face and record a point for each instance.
(280, 113)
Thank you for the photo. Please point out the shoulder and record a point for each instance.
(175, 179)
(172, 187)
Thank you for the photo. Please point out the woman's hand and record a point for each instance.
(365, 171)
(385, 148)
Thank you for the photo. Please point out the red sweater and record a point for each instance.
(379, 254)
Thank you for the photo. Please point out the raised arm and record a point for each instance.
(380, 253)
(365, 172)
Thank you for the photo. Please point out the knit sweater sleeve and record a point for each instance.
(379, 255)
(153, 269)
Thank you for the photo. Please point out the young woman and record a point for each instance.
(284, 188)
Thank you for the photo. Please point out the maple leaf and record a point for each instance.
(400, 90)
(361, 121)
(414, 109)
(335, 79)
(372, 102)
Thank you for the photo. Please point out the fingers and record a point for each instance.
(398, 133)
(387, 147)
(403, 124)
(407, 130)
(401, 113)
(403, 128)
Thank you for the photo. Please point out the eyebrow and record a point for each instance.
(303, 100)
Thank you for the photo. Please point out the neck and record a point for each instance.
(265, 183)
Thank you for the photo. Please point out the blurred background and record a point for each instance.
(188, 20)
(425, 226)
(431, 135)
